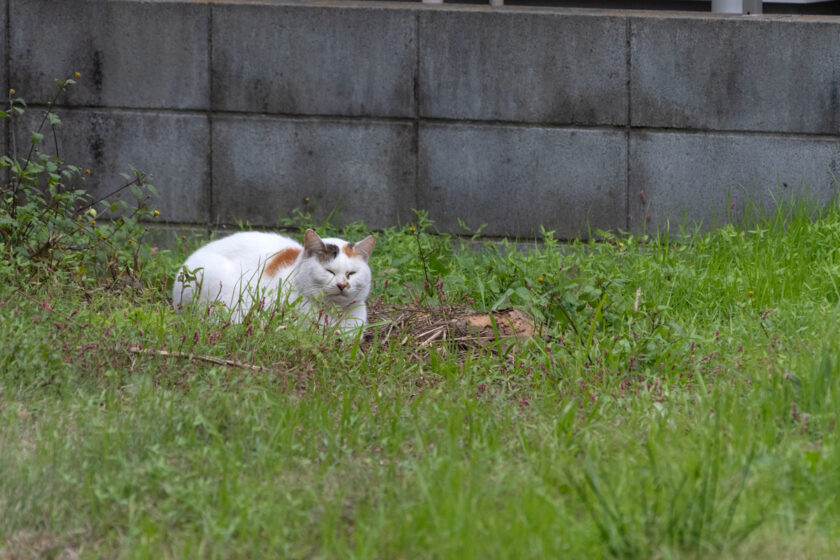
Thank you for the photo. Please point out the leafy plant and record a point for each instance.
(49, 222)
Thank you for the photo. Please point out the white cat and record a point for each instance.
(327, 280)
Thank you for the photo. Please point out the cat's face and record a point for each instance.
(336, 269)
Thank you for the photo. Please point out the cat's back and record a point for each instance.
(246, 246)
(227, 269)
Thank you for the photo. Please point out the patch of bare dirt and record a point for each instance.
(462, 326)
(24, 545)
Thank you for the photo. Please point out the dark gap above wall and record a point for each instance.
(831, 7)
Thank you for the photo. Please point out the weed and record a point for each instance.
(50, 224)
(660, 410)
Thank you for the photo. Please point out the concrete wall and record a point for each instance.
(514, 117)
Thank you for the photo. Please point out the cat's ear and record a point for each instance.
(364, 248)
(312, 244)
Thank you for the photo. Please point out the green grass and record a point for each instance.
(680, 402)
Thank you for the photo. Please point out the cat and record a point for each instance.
(326, 280)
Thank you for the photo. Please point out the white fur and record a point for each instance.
(232, 271)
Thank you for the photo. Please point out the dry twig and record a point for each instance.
(191, 356)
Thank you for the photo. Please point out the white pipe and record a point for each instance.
(736, 6)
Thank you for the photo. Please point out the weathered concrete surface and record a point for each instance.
(169, 148)
(736, 73)
(514, 179)
(511, 117)
(4, 78)
(3, 146)
(307, 60)
(548, 67)
(3, 137)
(130, 54)
(264, 168)
(710, 178)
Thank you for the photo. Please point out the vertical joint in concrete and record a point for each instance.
(6, 47)
(416, 143)
(211, 212)
(629, 126)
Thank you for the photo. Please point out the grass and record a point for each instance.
(680, 401)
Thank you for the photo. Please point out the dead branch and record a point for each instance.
(191, 356)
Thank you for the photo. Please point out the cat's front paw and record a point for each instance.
(350, 327)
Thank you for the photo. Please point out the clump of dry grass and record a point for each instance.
(459, 325)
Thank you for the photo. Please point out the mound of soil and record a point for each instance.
(465, 327)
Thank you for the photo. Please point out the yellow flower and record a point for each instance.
(93, 222)
(306, 199)
(131, 241)
(157, 213)
(539, 279)
(78, 75)
(750, 292)
(411, 229)
(87, 171)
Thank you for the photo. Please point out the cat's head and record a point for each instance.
(336, 269)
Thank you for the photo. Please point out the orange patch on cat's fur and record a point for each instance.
(348, 250)
(281, 259)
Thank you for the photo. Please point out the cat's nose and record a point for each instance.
(343, 285)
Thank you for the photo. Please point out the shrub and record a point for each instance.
(50, 224)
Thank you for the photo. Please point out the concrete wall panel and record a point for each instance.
(547, 67)
(736, 74)
(171, 149)
(515, 179)
(130, 54)
(710, 178)
(514, 117)
(324, 60)
(264, 168)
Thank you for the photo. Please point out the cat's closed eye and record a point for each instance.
(350, 273)
(330, 271)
